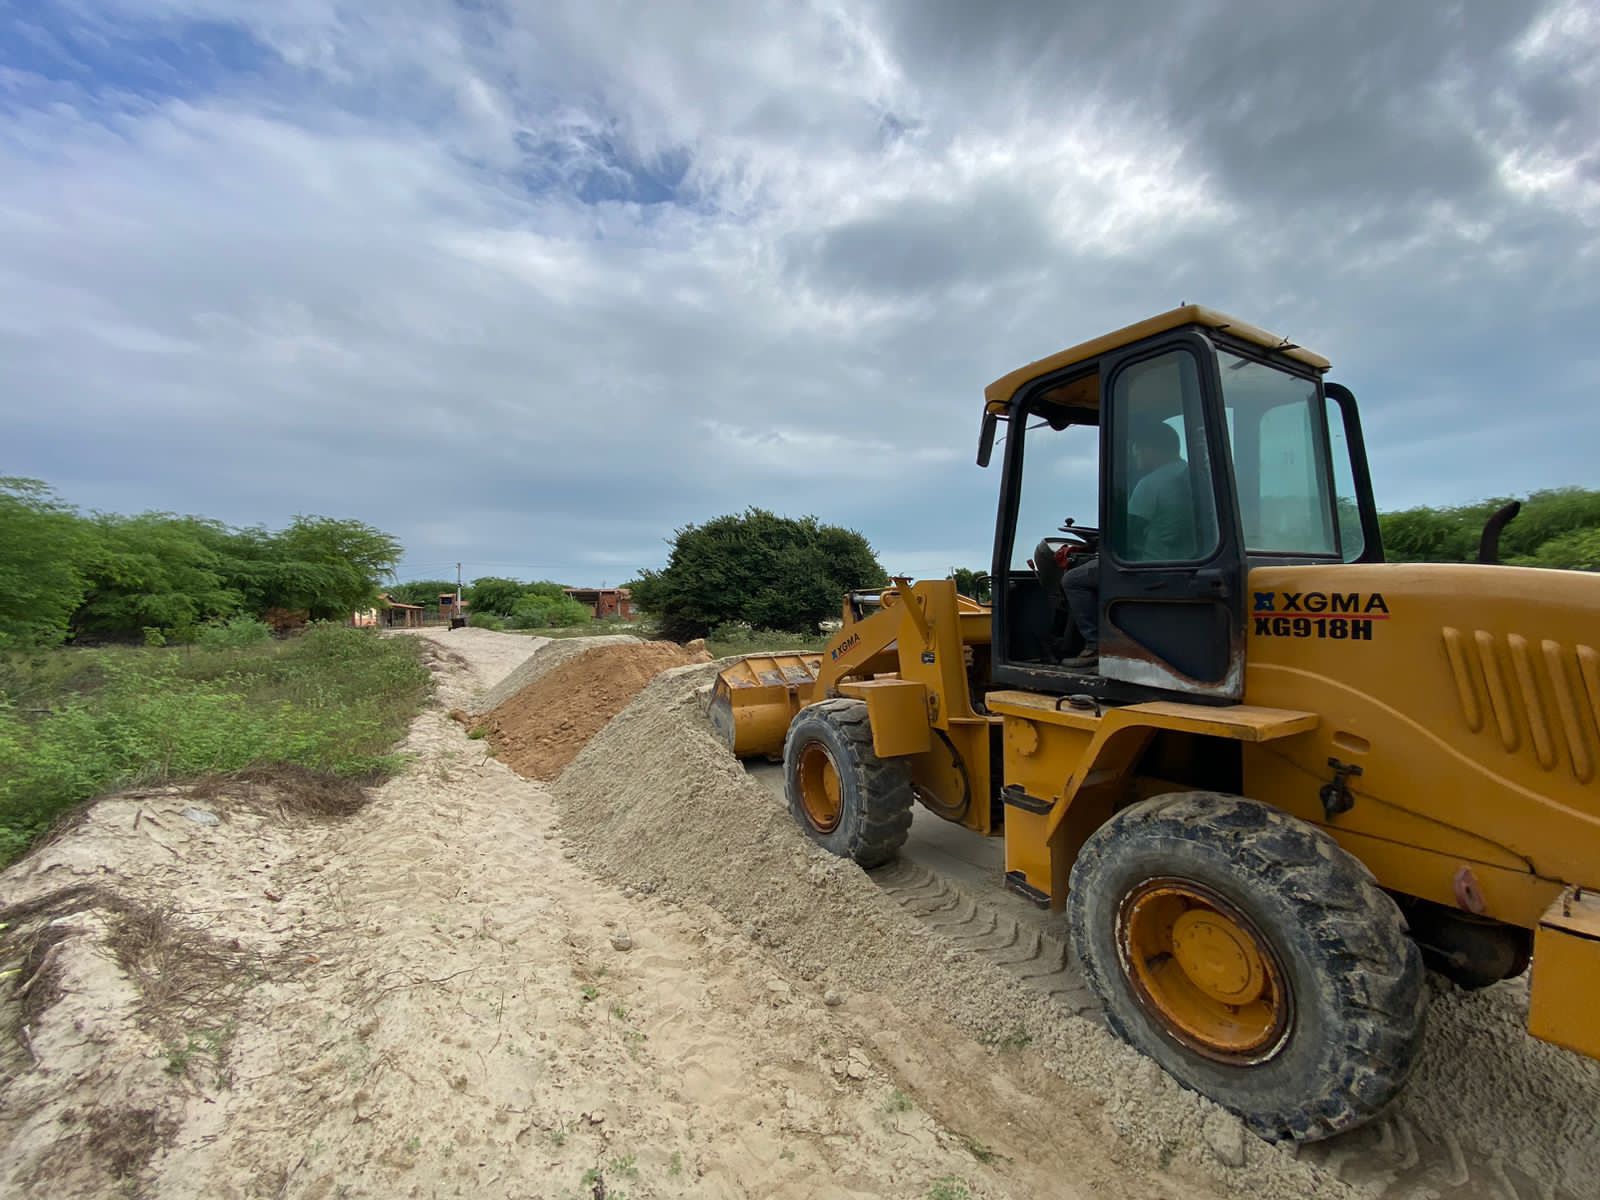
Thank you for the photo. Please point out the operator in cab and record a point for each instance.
(1160, 525)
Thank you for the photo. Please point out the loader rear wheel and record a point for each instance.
(1252, 958)
(847, 799)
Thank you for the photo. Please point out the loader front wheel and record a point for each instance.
(1253, 958)
(847, 799)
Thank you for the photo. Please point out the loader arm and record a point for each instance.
(907, 661)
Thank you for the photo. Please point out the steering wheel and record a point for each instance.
(1083, 535)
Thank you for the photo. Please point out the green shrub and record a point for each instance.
(153, 636)
(483, 620)
(233, 634)
(77, 723)
(549, 612)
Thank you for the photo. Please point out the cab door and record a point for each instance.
(1172, 560)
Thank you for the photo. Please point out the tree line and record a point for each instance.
(1557, 527)
(66, 575)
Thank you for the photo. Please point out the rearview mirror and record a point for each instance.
(986, 438)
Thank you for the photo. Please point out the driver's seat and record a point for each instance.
(1057, 638)
(1049, 572)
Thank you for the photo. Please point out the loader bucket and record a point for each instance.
(754, 700)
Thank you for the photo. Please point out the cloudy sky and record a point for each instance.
(529, 284)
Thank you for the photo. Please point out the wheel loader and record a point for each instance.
(1296, 775)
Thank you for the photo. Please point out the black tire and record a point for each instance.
(875, 794)
(1352, 977)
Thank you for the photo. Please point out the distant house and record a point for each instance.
(389, 614)
(401, 616)
(606, 602)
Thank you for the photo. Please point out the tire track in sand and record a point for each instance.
(1394, 1157)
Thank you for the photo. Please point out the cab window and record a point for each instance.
(1280, 459)
(1162, 507)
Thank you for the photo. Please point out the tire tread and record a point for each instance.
(884, 785)
(1357, 929)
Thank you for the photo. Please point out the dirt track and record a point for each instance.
(427, 999)
(431, 1005)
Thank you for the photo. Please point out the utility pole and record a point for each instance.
(458, 591)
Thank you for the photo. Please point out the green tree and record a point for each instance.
(333, 567)
(1575, 551)
(154, 570)
(422, 591)
(549, 589)
(972, 584)
(44, 546)
(1548, 532)
(493, 594)
(768, 571)
(1549, 516)
(539, 610)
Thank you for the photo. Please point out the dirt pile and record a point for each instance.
(655, 801)
(241, 997)
(545, 655)
(540, 729)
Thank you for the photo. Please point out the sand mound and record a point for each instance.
(541, 728)
(545, 657)
(655, 800)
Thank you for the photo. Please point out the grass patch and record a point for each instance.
(76, 723)
(725, 641)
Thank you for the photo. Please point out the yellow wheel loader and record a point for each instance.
(1294, 774)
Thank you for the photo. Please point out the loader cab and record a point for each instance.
(1185, 449)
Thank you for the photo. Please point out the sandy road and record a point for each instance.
(430, 1001)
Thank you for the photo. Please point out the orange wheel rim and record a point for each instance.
(820, 790)
(1203, 969)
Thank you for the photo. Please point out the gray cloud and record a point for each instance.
(528, 291)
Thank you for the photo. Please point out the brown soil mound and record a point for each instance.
(541, 728)
(543, 660)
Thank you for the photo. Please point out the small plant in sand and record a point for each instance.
(1016, 1038)
(977, 1149)
(948, 1187)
